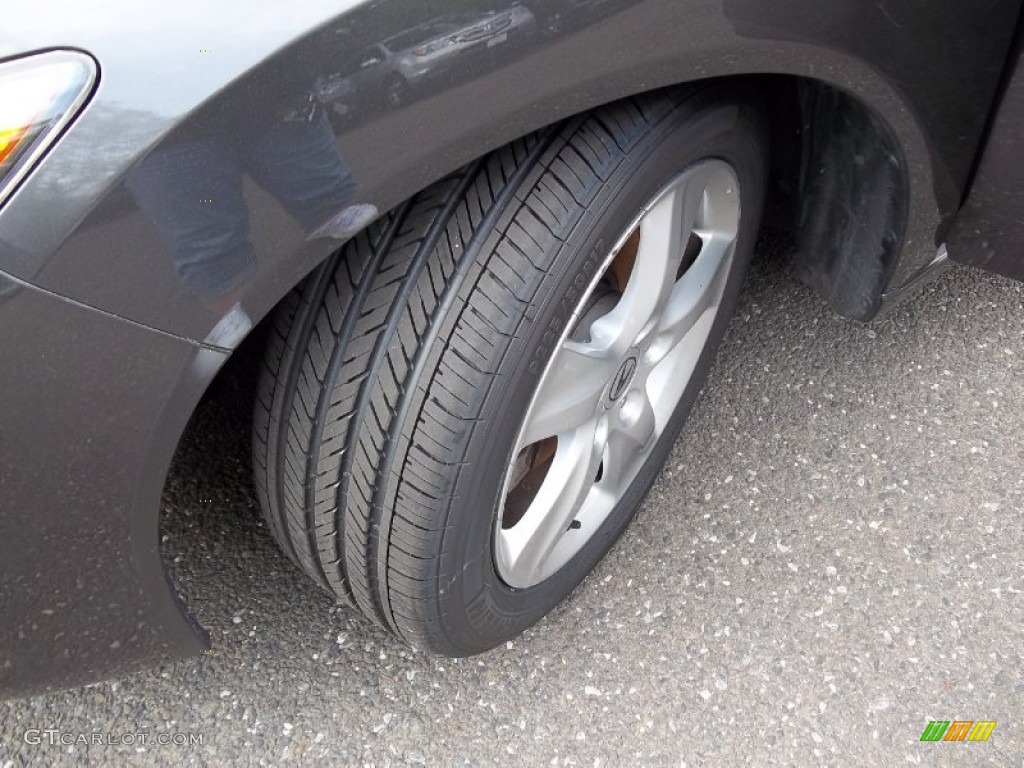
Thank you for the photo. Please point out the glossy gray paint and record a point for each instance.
(989, 230)
(98, 386)
(91, 410)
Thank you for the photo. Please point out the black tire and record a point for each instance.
(397, 376)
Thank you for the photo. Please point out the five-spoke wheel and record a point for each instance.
(618, 372)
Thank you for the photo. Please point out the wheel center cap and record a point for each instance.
(622, 379)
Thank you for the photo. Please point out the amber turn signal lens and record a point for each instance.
(39, 96)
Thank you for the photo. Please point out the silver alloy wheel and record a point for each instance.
(610, 389)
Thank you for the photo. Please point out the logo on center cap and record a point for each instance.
(622, 378)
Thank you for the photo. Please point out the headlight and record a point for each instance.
(39, 96)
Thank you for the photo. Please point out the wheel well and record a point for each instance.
(837, 186)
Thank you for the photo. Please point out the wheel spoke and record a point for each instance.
(570, 391)
(526, 545)
(697, 291)
(634, 423)
(612, 387)
(630, 434)
(664, 231)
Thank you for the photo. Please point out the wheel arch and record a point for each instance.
(840, 181)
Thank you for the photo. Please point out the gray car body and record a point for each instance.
(102, 343)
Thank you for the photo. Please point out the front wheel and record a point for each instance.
(461, 413)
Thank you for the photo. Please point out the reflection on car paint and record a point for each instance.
(396, 69)
(191, 190)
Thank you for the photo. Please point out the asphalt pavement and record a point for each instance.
(831, 559)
